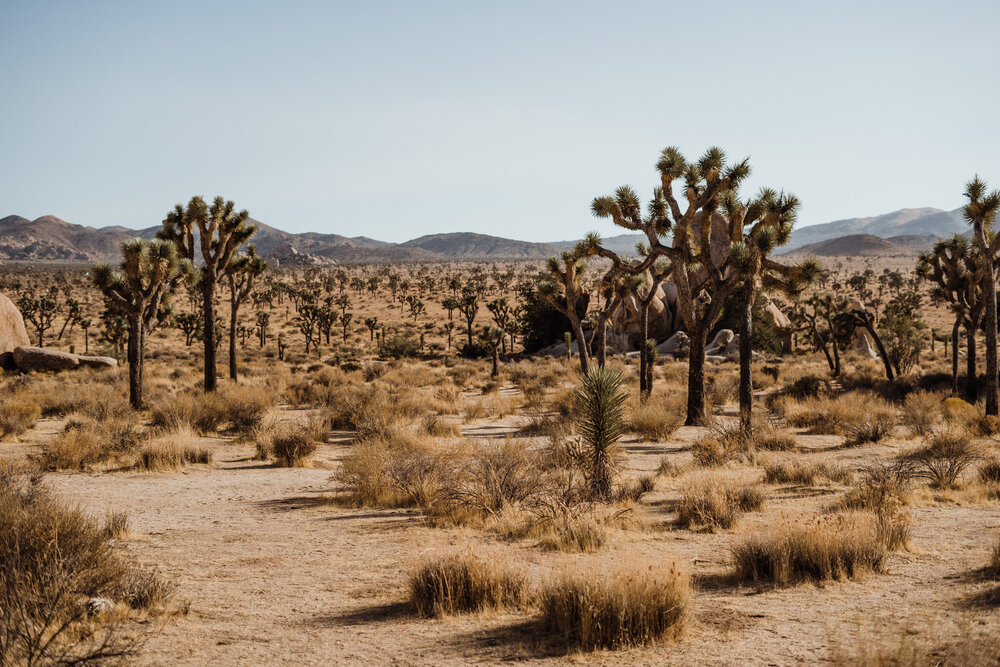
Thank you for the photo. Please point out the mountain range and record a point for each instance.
(49, 238)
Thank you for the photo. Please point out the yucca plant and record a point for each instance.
(602, 403)
(981, 212)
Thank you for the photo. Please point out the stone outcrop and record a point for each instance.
(30, 359)
(98, 362)
(12, 331)
(676, 343)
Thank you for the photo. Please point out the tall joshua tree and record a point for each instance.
(242, 273)
(756, 228)
(698, 257)
(140, 287)
(213, 234)
(952, 266)
(981, 212)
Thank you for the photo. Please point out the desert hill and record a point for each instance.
(904, 222)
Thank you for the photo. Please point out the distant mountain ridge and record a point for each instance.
(49, 238)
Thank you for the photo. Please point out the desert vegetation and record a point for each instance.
(469, 450)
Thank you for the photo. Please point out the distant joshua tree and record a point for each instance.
(140, 288)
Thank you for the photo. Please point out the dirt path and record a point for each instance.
(276, 573)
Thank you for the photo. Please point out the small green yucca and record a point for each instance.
(602, 403)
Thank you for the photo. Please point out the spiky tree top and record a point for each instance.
(221, 230)
(148, 272)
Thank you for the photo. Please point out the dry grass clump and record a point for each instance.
(396, 471)
(171, 451)
(203, 413)
(246, 406)
(881, 487)
(18, 414)
(294, 445)
(795, 471)
(621, 605)
(921, 412)
(574, 532)
(861, 417)
(728, 442)
(84, 443)
(437, 427)
(656, 418)
(945, 457)
(53, 560)
(832, 547)
(466, 582)
(714, 503)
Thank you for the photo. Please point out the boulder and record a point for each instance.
(672, 345)
(723, 338)
(30, 358)
(98, 362)
(862, 343)
(12, 331)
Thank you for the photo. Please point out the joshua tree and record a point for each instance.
(602, 403)
(468, 305)
(492, 336)
(345, 321)
(827, 307)
(756, 228)
(72, 316)
(564, 290)
(242, 273)
(190, 324)
(221, 230)
(40, 312)
(450, 304)
(140, 287)
(371, 323)
(980, 212)
(263, 319)
(307, 322)
(501, 312)
(85, 325)
(449, 327)
(952, 266)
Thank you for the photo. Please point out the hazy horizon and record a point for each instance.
(395, 120)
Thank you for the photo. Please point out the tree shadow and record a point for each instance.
(372, 614)
(518, 641)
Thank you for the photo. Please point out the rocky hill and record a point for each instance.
(854, 245)
(466, 245)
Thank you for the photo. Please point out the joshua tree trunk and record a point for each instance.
(971, 382)
(233, 316)
(746, 358)
(208, 294)
(602, 342)
(581, 343)
(696, 378)
(496, 361)
(135, 350)
(990, 297)
(643, 359)
(954, 357)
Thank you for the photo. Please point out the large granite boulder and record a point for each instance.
(97, 362)
(30, 359)
(12, 332)
(679, 341)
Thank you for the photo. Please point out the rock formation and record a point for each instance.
(12, 331)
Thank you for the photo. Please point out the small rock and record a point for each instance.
(98, 362)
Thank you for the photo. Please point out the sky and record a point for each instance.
(397, 119)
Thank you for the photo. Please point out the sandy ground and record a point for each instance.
(277, 573)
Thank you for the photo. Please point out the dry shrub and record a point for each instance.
(656, 418)
(435, 426)
(465, 582)
(116, 525)
(989, 472)
(807, 386)
(18, 414)
(53, 558)
(495, 477)
(246, 407)
(772, 440)
(59, 397)
(569, 527)
(862, 417)
(461, 374)
(715, 504)
(171, 451)
(945, 457)
(293, 445)
(616, 606)
(881, 487)
(474, 410)
(397, 471)
(793, 471)
(957, 410)
(203, 413)
(921, 411)
(831, 547)
(722, 388)
(84, 443)
(710, 452)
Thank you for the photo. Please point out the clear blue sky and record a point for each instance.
(396, 119)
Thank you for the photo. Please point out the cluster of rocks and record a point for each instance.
(17, 353)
